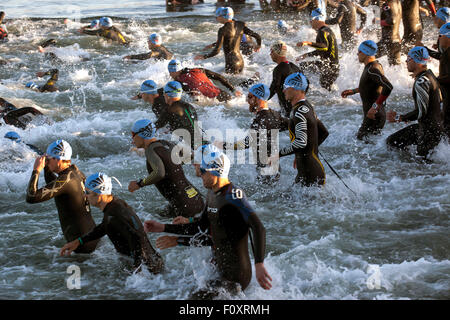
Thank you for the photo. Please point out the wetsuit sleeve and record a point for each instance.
(253, 34)
(376, 76)
(156, 163)
(321, 44)
(444, 74)
(421, 90)
(142, 56)
(218, 46)
(215, 76)
(54, 75)
(322, 132)
(48, 175)
(51, 190)
(433, 53)
(96, 233)
(362, 13)
(91, 32)
(276, 83)
(388, 18)
(300, 136)
(163, 119)
(339, 16)
(259, 237)
(190, 228)
(23, 111)
(35, 149)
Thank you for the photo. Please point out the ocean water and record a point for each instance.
(390, 240)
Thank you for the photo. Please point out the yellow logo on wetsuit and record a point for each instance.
(191, 192)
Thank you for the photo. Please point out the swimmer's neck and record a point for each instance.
(369, 59)
(149, 142)
(104, 201)
(221, 182)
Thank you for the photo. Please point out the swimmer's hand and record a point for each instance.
(69, 247)
(139, 152)
(262, 276)
(373, 111)
(359, 31)
(39, 163)
(435, 46)
(304, 43)
(126, 58)
(137, 97)
(237, 93)
(153, 226)
(257, 48)
(41, 50)
(391, 116)
(273, 159)
(133, 186)
(199, 57)
(166, 242)
(180, 220)
(346, 93)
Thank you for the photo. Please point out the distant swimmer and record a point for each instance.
(427, 133)
(284, 29)
(48, 48)
(326, 49)
(389, 44)
(18, 117)
(157, 50)
(197, 81)
(374, 88)
(3, 30)
(229, 37)
(120, 223)
(182, 2)
(163, 172)
(442, 17)
(150, 93)
(107, 31)
(412, 22)
(284, 68)
(14, 136)
(444, 74)
(306, 132)
(65, 184)
(50, 85)
(346, 19)
(227, 220)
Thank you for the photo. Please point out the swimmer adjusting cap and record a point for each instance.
(149, 86)
(60, 149)
(95, 23)
(443, 14)
(368, 47)
(445, 30)
(261, 91)
(174, 65)
(173, 89)
(317, 14)
(144, 128)
(279, 48)
(106, 22)
(297, 80)
(155, 39)
(214, 161)
(13, 136)
(225, 12)
(100, 183)
(420, 55)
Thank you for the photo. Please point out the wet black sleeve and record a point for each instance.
(92, 32)
(378, 77)
(215, 76)
(259, 237)
(54, 75)
(444, 69)
(48, 175)
(190, 228)
(339, 16)
(142, 56)
(253, 34)
(322, 132)
(55, 188)
(320, 45)
(157, 164)
(218, 46)
(96, 233)
(23, 111)
(434, 53)
(421, 101)
(300, 136)
(35, 149)
(276, 83)
(163, 119)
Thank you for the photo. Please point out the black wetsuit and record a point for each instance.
(390, 17)
(412, 22)
(19, 117)
(444, 82)
(67, 188)
(112, 34)
(159, 53)
(227, 218)
(168, 177)
(427, 133)
(307, 133)
(372, 84)
(265, 121)
(346, 18)
(126, 232)
(328, 65)
(159, 105)
(181, 115)
(280, 73)
(50, 85)
(229, 36)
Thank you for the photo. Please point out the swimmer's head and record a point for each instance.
(149, 87)
(445, 30)
(257, 97)
(317, 14)
(155, 39)
(278, 49)
(214, 162)
(369, 48)
(296, 85)
(106, 22)
(444, 37)
(419, 55)
(226, 13)
(95, 24)
(442, 17)
(144, 128)
(99, 183)
(282, 26)
(60, 150)
(13, 136)
(174, 66)
(173, 89)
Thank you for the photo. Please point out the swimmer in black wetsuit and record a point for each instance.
(67, 188)
(390, 17)
(150, 93)
(229, 36)
(427, 133)
(326, 49)
(306, 131)
(167, 176)
(283, 69)
(346, 18)
(228, 219)
(120, 223)
(17, 117)
(107, 31)
(444, 74)
(374, 88)
(14, 136)
(412, 23)
(3, 31)
(50, 85)
(157, 50)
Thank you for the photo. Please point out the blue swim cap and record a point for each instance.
(443, 14)
(244, 38)
(282, 24)
(31, 85)
(445, 30)
(368, 47)
(317, 14)
(225, 12)
(144, 128)
(60, 149)
(149, 86)
(106, 22)
(174, 66)
(173, 89)
(100, 183)
(13, 136)
(95, 23)
(155, 39)
(261, 91)
(213, 160)
(297, 80)
(420, 55)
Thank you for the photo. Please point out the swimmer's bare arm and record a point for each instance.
(142, 56)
